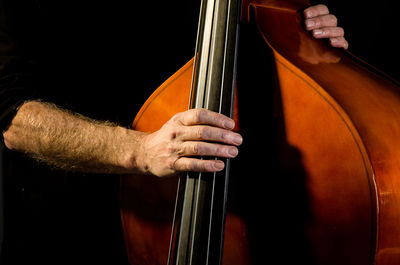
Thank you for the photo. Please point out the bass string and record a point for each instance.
(198, 181)
(214, 175)
(223, 85)
(200, 29)
(205, 102)
(174, 221)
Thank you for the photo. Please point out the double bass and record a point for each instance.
(320, 186)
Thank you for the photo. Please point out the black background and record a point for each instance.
(371, 30)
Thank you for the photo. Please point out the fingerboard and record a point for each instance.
(199, 218)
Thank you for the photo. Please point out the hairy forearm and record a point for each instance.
(72, 142)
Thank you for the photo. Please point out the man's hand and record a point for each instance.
(186, 137)
(324, 25)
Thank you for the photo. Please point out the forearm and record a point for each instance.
(73, 142)
(70, 141)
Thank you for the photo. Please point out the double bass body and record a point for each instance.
(321, 185)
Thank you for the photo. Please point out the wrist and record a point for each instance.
(133, 159)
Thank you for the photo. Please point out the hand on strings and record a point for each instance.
(186, 137)
(322, 24)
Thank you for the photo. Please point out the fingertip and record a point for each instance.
(218, 165)
(316, 10)
(339, 42)
(318, 33)
(334, 42)
(229, 124)
(233, 152)
(307, 13)
(309, 24)
(237, 140)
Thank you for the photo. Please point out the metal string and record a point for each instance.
(194, 71)
(212, 6)
(219, 111)
(173, 222)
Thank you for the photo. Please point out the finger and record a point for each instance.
(206, 149)
(208, 133)
(198, 165)
(315, 11)
(321, 21)
(203, 116)
(328, 32)
(339, 42)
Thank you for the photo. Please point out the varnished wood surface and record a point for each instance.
(337, 200)
(367, 102)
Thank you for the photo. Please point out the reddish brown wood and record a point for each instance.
(344, 117)
(341, 115)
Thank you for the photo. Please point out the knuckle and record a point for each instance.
(171, 132)
(172, 164)
(176, 117)
(221, 151)
(323, 9)
(193, 165)
(196, 150)
(200, 133)
(208, 166)
(224, 137)
(199, 115)
(171, 149)
(199, 165)
(172, 135)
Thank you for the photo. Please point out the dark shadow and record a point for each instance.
(267, 185)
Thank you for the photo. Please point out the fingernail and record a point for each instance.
(308, 14)
(219, 165)
(310, 23)
(229, 124)
(237, 139)
(317, 32)
(233, 152)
